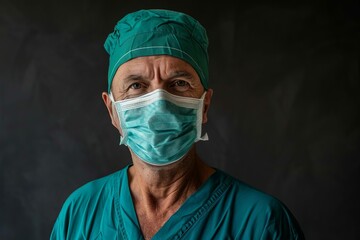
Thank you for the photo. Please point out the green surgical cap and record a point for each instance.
(158, 32)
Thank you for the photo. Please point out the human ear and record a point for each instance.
(207, 102)
(111, 110)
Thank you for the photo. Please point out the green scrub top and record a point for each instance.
(222, 208)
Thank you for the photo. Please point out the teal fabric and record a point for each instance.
(223, 208)
(158, 32)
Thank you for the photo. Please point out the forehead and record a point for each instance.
(148, 65)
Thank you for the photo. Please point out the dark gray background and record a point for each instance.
(284, 116)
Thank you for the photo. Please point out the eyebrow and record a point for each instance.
(183, 74)
(174, 74)
(133, 77)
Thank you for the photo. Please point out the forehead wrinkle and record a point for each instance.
(178, 68)
(182, 74)
(136, 72)
(132, 77)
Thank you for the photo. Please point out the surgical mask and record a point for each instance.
(159, 127)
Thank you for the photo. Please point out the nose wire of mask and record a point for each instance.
(160, 127)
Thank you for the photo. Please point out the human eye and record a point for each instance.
(135, 86)
(180, 85)
(135, 89)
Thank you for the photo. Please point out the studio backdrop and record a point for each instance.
(284, 115)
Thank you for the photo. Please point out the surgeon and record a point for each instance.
(158, 99)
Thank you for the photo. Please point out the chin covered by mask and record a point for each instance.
(159, 127)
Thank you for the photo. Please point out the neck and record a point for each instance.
(156, 189)
(158, 192)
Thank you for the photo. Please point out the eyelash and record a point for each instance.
(177, 85)
(182, 82)
(133, 84)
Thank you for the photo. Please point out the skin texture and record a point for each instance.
(158, 192)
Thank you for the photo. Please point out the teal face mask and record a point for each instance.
(160, 127)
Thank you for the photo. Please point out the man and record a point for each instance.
(158, 98)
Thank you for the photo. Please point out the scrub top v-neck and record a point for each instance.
(178, 224)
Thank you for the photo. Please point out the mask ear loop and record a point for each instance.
(199, 119)
(111, 97)
(118, 112)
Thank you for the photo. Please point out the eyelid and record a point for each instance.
(186, 82)
(175, 80)
(131, 83)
